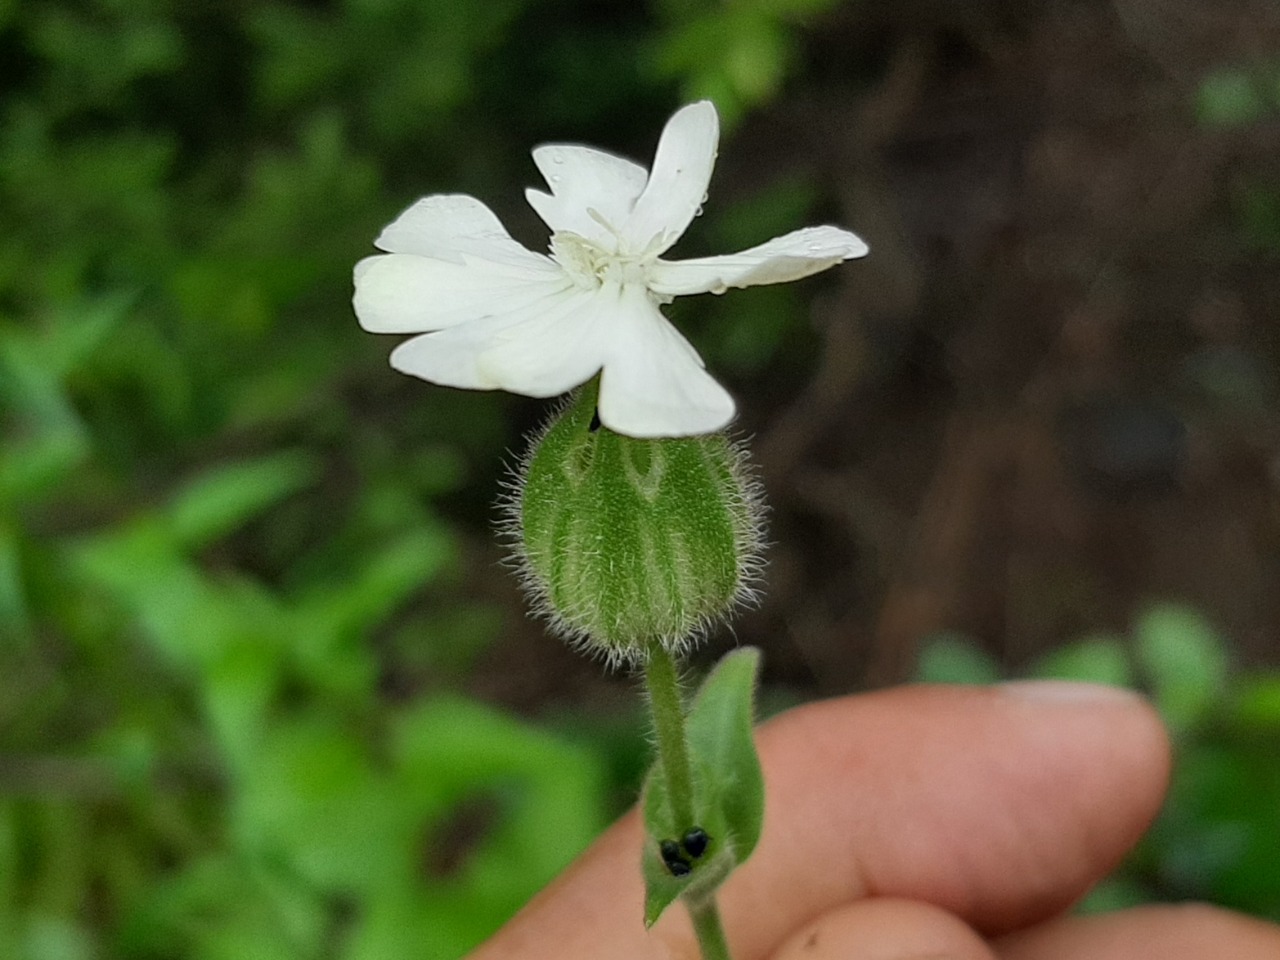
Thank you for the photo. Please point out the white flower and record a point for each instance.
(495, 315)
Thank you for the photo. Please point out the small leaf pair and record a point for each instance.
(728, 794)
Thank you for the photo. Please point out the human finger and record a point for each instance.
(1165, 932)
(885, 929)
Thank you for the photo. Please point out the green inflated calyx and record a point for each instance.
(626, 542)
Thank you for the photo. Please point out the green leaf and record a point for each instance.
(1114, 893)
(222, 499)
(1100, 659)
(313, 799)
(42, 439)
(712, 869)
(78, 330)
(10, 827)
(728, 788)
(14, 618)
(138, 566)
(1256, 704)
(951, 658)
(1185, 660)
(1229, 98)
(367, 595)
(721, 740)
(238, 688)
(49, 937)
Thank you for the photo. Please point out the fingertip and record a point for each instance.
(1068, 692)
(1123, 733)
(1160, 932)
(1119, 720)
(885, 929)
(1002, 804)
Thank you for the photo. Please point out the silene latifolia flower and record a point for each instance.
(495, 315)
(636, 522)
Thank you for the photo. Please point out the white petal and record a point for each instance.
(785, 258)
(403, 293)
(540, 351)
(583, 180)
(653, 383)
(447, 226)
(560, 214)
(678, 184)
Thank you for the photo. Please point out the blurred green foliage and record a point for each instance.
(233, 614)
(1218, 833)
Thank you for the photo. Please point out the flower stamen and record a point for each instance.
(589, 266)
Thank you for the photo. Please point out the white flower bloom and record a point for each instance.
(494, 315)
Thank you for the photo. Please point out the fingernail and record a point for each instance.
(1068, 691)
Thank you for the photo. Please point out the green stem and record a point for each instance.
(710, 931)
(667, 707)
(668, 723)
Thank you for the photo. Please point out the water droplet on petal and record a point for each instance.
(557, 159)
(698, 212)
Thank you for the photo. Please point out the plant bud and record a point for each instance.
(623, 542)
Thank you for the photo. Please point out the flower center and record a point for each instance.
(590, 266)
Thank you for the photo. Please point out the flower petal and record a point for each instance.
(448, 225)
(653, 383)
(678, 184)
(785, 258)
(404, 293)
(539, 351)
(582, 180)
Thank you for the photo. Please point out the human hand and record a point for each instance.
(921, 823)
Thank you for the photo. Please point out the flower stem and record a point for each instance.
(667, 707)
(710, 931)
(668, 723)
